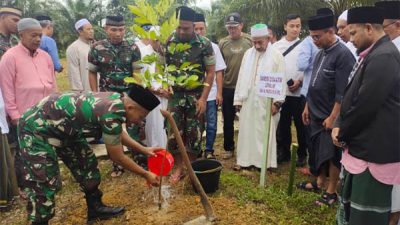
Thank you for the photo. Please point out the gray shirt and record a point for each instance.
(329, 78)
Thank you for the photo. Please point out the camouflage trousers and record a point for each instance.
(41, 172)
(182, 106)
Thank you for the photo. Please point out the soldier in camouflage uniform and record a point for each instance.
(114, 59)
(58, 127)
(9, 18)
(188, 106)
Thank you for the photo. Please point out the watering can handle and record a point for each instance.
(204, 200)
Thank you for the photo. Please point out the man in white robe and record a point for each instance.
(261, 58)
(77, 57)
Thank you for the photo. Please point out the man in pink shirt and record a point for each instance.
(368, 127)
(26, 73)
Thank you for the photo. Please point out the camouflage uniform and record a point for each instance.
(182, 103)
(7, 42)
(58, 127)
(114, 63)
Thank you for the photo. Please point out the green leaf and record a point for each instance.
(129, 80)
(193, 77)
(136, 11)
(171, 68)
(140, 31)
(185, 65)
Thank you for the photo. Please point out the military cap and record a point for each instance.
(115, 21)
(10, 10)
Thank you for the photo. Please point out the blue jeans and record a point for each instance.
(211, 125)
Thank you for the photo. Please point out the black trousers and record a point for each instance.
(228, 111)
(292, 108)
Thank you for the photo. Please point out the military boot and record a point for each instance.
(97, 210)
(40, 223)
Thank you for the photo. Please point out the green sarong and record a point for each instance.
(366, 200)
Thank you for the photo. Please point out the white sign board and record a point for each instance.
(270, 85)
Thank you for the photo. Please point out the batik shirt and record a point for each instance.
(113, 63)
(201, 52)
(72, 116)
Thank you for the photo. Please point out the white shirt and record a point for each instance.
(3, 118)
(396, 42)
(219, 65)
(352, 49)
(77, 59)
(291, 71)
(140, 44)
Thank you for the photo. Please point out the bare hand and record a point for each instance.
(334, 135)
(274, 110)
(200, 107)
(219, 99)
(295, 86)
(14, 121)
(306, 116)
(151, 151)
(238, 108)
(328, 123)
(152, 179)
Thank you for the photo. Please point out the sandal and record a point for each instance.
(117, 171)
(314, 186)
(327, 199)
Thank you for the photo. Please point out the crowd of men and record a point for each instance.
(341, 88)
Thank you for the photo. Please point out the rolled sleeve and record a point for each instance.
(93, 61)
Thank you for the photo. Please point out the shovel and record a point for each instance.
(210, 216)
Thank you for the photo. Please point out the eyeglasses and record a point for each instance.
(316, 37)
(384, 26)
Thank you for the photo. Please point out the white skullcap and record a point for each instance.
(156, 29)
(343, 16)
(259, 30)
(81, 23)
(28, 23)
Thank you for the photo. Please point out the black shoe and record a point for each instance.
(209, 155)
(97, 210)
(40, 223)
(301, 162)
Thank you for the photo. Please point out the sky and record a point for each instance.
(204, 4)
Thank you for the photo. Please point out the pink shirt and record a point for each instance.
(25, 79)
(388, 173)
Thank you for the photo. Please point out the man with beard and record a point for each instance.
(77, 56)
(188, 105)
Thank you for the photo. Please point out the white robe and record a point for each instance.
(252, 122)
(154, 129)
(77, 59)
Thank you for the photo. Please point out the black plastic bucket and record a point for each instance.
(208, 172)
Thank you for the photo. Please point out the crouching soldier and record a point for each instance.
(58, 127)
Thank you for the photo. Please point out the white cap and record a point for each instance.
(343, 16)
(81, 23)
(259, 30)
